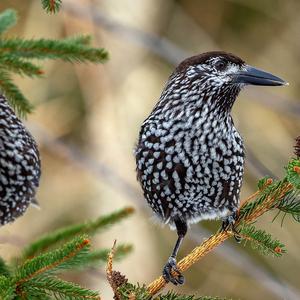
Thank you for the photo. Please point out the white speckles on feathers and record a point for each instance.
(19, 165)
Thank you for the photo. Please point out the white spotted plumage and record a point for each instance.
(19, 165)
(190, 144)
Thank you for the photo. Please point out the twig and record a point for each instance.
(54, 265)
(198, 252)
(109, 265)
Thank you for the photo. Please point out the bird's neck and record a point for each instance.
(213, 103)
(224, 99)
(195, 103)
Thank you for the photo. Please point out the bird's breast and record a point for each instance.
(187, 169)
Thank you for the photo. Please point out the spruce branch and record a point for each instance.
(61, 289)
(137, 292)
(36, 277)
(16, 55)
(32, 293)
(65, 49)
(64, 234)
(65, 257)
(268, 198)
(51, 6)
(19, 66)
(175, 296)
(15, 96)
(293, 172)
(262, 241)
(133, 292)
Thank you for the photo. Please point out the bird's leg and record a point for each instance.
(171, 265)
(229, 224)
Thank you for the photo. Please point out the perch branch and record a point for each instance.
(218, 238)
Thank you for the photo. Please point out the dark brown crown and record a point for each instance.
(202, 58)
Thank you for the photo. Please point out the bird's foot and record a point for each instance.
(169, 269)
(229, 225)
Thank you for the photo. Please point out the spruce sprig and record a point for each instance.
(128, 289)
(174, 296)
(261, 241)
(35, 276)
(34, 279)
(267, 199)
(141, 293)
(18, 55)
(61, 289)
(19, 66)
(70, 50)
(293, 172)
(67, 256)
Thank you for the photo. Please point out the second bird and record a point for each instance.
(189, 156)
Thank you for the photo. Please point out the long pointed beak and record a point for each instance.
(255, 76)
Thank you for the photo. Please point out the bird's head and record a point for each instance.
(220, 68)
(220, 75)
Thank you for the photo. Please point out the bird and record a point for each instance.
(20, 166)
(189, 155)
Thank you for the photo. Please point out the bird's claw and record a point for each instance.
(229, 224)
(169, 269)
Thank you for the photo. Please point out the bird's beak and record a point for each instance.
(254, 76)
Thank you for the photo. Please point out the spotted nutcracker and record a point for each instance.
(19, 165)
(189, 156)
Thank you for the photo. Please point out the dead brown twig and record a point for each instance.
(115, 278)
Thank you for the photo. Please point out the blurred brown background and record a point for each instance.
(87, 120)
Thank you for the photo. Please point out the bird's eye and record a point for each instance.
(220, 65)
